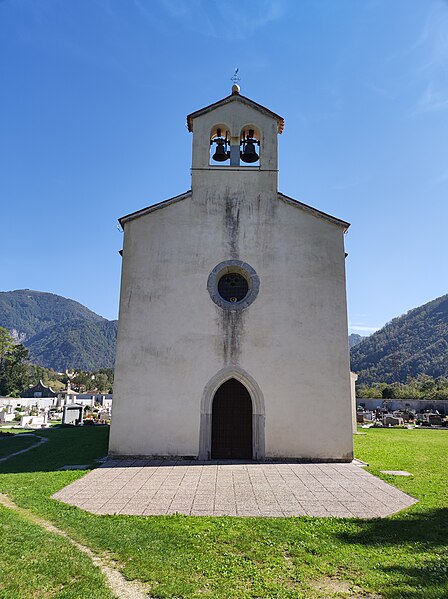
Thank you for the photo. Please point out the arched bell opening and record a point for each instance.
(232, 422)
(250, 146)
(220, 146)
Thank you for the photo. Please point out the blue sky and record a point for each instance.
(94, 95)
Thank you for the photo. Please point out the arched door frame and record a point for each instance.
(258, 411)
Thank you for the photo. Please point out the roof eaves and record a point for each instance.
(226, 100)
(153, 207)
(45, 386)
(314, 211)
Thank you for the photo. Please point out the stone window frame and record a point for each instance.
(242, 268)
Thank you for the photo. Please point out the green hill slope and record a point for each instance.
(75, 343)
(412, 344)
(26, 312)
(354, 339)
(59, 332)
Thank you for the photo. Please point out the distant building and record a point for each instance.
(39, 391)
(232, 336)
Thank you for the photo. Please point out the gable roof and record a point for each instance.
(46, 391)
(236, 96)
(281, 196)
(313, 211)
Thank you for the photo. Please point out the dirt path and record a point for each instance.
(123, 589)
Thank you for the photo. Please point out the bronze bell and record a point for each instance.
(249, 154)
(220, 154)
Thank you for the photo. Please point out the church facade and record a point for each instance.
(232, 338)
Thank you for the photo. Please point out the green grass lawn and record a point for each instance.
(232, 558)
(37, 563)
(6, 428)
(10, 445)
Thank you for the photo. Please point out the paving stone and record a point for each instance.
(200, 512)
(154, 487)
(294, 512)
(396, 472)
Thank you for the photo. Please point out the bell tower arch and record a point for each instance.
(238, 137)
(250, 146)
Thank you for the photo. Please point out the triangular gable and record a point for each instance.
(314, 211)
(235, 97)
(281, 196)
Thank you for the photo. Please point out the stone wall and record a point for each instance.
(416, 405)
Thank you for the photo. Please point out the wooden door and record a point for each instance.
(232, 422)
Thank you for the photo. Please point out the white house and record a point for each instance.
(232, 339)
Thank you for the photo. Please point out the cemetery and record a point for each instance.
(40, 407)
(409, 413)
(21, 414)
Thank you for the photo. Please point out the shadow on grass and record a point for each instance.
(69, 446)
(83, 445)
(433, 574)
(425, 532)
(425, 581)
(426, 529)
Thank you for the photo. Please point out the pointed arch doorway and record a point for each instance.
(232, 422)
(257, 407)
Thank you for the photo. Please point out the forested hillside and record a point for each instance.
(58, 332)
(75, 344)
(413, 344)
(26, 312)
(354, 339)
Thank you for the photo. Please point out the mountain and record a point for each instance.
(354, 339)
(412, 344)
(25, 312)
(75, 343)
(58, 332)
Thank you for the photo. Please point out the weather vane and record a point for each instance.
(235, 77)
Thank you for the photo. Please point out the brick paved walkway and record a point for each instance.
(155, 487)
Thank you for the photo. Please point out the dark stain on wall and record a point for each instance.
(231, 322)
(232, 327)
(232, 225)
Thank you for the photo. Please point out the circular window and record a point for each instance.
(233, 285)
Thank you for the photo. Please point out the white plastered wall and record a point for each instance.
(291, 340)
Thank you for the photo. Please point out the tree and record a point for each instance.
(101, 382)
(47, 375)
(6, 346)
(388, 393)
(82, 380)
(13, 371)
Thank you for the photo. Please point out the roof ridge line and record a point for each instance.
(227, 99)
